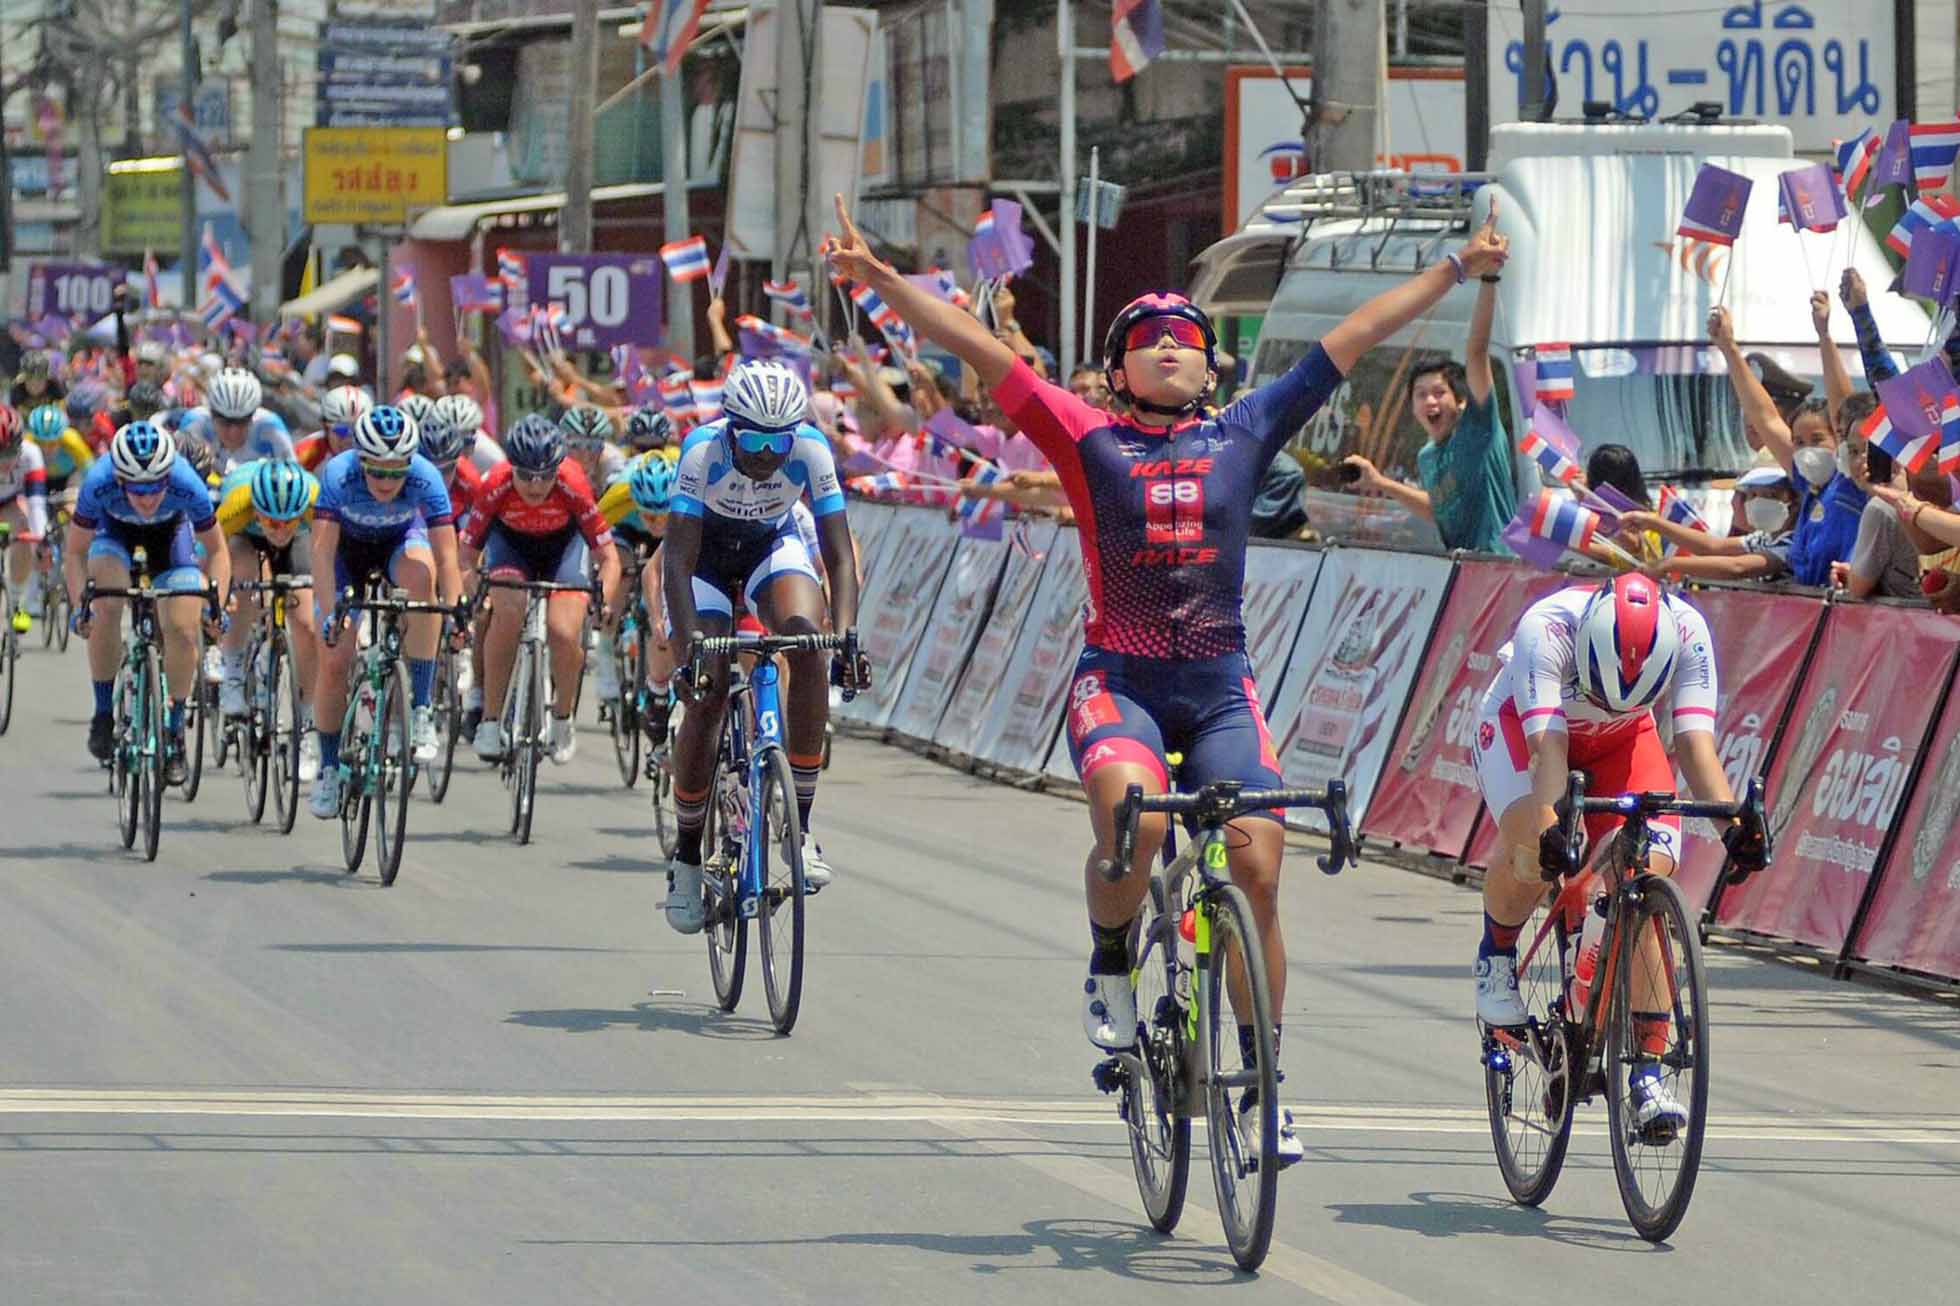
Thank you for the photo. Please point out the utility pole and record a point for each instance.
(799, 213)
(1347, 38)
(1534, 108)
(266, 206)
(575, 223)
(187, 91)
(1065, 228)
(673, 168)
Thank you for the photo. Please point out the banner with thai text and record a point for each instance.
(956, 617)
(980, 684)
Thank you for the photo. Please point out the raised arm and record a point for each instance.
(1837, 378)
(1476, 361)
(1390, 311)
(938, 321)
(1758, 409)
(1878, 360)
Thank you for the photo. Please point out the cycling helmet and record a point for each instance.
(649, 428)
(234, 394)
(416, 405)
(461, 412)
(33, 363)
(146, 399)
(651, 483)
(765, 394)
(1157, 304)
(535, 445)
(10, 429)
(585, 426)
(150, 353)
(279, 489)
(196, 450)
(386, 432)
(85, 399)
(442, 443)
(142, 451)
(47, 423)
(344, 405)
(1626, 644)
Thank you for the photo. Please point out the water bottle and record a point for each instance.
(1585, 964)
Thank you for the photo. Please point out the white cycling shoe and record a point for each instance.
(1286, 1148)
(816, 871)
(562, 739)
(489, 741)
(324, 802)
(1656, 1111)
(1109, 1011)
(422, 733)
(309, 757)
(1498, 1003)
(684, 911)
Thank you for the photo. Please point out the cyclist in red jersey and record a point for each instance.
(444, 445)
(535, 519)
(1163, 496)
(340, 408)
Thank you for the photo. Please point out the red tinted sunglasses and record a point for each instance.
(1146, 333)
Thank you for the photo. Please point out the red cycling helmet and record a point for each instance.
(1626, 644)
(9, 428)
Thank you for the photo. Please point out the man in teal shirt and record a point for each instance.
(1468, 486)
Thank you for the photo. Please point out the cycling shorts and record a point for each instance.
(171, 548)
(734, 571)
(560, 557)
(1123, 708)
(1627, 759)
(360, 557)
(295, 559)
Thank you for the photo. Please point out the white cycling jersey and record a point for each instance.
(1538, 673)
(24, 478)
(486, 453)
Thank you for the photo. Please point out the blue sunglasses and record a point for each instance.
(776, 442)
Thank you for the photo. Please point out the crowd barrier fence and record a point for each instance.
(1371, 664)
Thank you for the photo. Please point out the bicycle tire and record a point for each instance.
(196, 713)
(255, 733)
(355, 799)
(151, 775)
(514, 692)
(780, 937)
(533, 734)
(288, 731)
(122, 770)
(727, 929)
(61, 613)
(1659, 899)
(666, 829)
(9, 667)
(1538, 1074)
(395, 776)
(222, 739)
(46, 615)
(623, 721)
(1236, 1176)
(1159, 1129)
(449, 723)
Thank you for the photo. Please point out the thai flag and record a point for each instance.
(790, 296)
(677, 397)
(1562, 521)
(1555, 372)
(1852, 160)
(1907, 452)
(1950, 435)
(217, 268)
(1934, 146)
(272, 356)
(843, 389)
(669, 29)
(404, 286)
(340, 322)
(882, 483)
(223, 305)
(687, 260)
(868, 302)
(1923, 213)
(707, 399)
(511, 270)
(197, 155)
(1136, 36)
(977, 512)
(1553, 463)
(1676, 508)
(152, 292)
(625, 363)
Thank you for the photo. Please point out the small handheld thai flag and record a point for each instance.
(1136, 36)
(474, 293)
(686, 260)
(1934, 147)
(152, 291)
(707, 399)
(719, 277)
(669, 29)
(217, 268)
(1908, 423)
(1852, 160)
(197, 155)
(976, 511)
(1554, 372)
(626, 364)
(223, 304)
(404, 286)
(1950, 435)
(1563, 521)
(1809, 200)
(1893, 164)
(1909, 452)
(1550, 461)
(677, 397)
(511, 269)
(1932, 263)
(790, 296)
(1675, 506)
(1716, 205)
(1922, 213)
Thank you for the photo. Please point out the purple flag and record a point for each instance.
(1893, 166)
(719, 277)
(1809, 200)
(1716, 205)
(515, 327)
(948, 426)
(1914, 398)
(1933, 263)
(472, 292)
(1015, 246)
(1540, 553)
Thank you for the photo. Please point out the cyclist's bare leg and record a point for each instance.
(660, 653)
(699, 735)
(415, 572)
(245, 564)
(1513, 886)
(303, 630)
(20, 551)
(499, 644)
(564, 626)
(178, 616)
(336, 663)
(105, 639)
(1255, 849)
(1113, 906)
(793, 605)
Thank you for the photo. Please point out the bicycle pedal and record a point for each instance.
(1110, 1075)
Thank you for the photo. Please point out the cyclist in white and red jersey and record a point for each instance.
(1577, 688)
(1163, 494)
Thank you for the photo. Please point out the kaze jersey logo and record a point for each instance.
(1156, 467)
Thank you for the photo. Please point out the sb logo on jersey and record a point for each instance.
(1173, 511)
(1486, 736)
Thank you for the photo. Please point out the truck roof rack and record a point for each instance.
(1387, 203)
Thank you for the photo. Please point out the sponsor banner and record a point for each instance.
(76, 292)
(1759, 645)
(1839, 777)
(895, 606)
(374, 175)
(1352, 669)
(1915, 915)
(979, 687)
(1427, 796)
(609, 299)
(956, 617)
(1279, 581)
(868, 523)
(1027, 708)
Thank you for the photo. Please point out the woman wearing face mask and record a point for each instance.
(1761, 553)
(1830, 499)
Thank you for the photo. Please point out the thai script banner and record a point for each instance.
(1914, 919)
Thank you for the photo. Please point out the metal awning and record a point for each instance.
(337, 293)
(458, 221)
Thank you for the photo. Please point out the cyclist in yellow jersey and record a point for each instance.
(635, 506)
(267, 504)
(63, 450)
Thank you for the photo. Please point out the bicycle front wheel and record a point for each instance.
(1528, 1074)
(779, 909)
(721, 876)
(1658, 1024)
(150, 760)
(60, 612)
(287, 730)
(449, 723)
(254, 732)
(395, 777)
(1245, 1172)
(623, 720)
(358, 734)
(123, 772)
(9, 662)
(197, 712)
(531, 743)
(1160, 1131)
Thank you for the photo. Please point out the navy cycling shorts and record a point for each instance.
(1136, 710)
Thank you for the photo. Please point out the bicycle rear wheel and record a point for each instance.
(779, 910)
(122, 763)
(60, 612)
(197, 711)
(1160, 1132)
(150, 760)
(531, 742)
(1244, 1176)
(395, 777)
(727, 929)
(1658, 1016)
(357, 736)
(9, 665)
(255, 733)
(623, 721)
(449, 724)
(286, 731)
(1528, 1076)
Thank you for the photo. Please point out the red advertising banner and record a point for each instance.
(1837, 781)
(1427, 797)
(1915, 915)
(1760, 641)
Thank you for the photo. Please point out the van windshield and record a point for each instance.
(1673, 424)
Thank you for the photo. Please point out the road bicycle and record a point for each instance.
(527, 696)
(1200, 973)
(9, 640)
(447, 702)
(268, 737)
(136, 762)
(377, 750)
(752, 843)
(55, 610)
(1644, 1004)
(624, 719)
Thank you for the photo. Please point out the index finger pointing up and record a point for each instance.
(844, 217)
(1490, 219)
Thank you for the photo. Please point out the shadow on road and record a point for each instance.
(698, 1018)
(295, 875)
(1450, 1215)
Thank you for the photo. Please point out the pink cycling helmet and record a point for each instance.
(1626, 644)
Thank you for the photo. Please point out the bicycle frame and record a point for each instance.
(759, 693)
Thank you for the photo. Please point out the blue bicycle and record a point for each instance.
(752, 865)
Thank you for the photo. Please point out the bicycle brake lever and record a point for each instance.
(1340, 835)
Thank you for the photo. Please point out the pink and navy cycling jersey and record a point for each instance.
(1164, 515)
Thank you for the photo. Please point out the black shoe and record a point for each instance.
(102, 737)
(654, 719)
(471, 720)
(175, 770)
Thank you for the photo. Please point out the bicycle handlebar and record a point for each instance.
(350, 601)
(273, 585)
(1224, 800)
(702, 647)
(1749, 810)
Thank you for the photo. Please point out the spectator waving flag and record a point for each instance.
(977, 511)
(1547, 526)
(686, 260)
(1934, 147)
(1716, 205)
(1908, 424)
(1924, 212)
(1809, 200)
(1675, 506)
(669, 29)
(790, 296)
(404, 286)
(1554, 372)
(1136, 36)
(197, 155)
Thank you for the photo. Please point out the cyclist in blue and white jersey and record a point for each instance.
(731, 539)
(234, 425)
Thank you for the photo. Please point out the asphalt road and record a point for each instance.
(239, 1075)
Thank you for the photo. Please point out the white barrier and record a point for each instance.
(1023, 717)
(986, 670)
(914, 554)
(962, 605)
